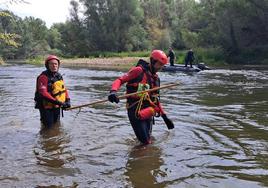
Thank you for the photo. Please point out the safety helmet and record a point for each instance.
(160, 56)
(50, 57)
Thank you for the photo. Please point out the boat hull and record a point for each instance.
(180, 68)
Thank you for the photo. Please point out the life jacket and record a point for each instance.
(144, 81)
(55, 87)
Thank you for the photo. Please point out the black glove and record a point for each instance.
(113, 97)
(169, 123)
(66, 104)
(58, 103)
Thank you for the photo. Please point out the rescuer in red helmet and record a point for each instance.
(142, 108)
(51, 93)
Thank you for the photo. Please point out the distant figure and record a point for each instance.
(51, 93)
(171, 56)
(189, 58)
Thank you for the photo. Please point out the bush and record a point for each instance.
(36, 60)
(256, 55)
(1, 61)
(211, 56)
(120, 54)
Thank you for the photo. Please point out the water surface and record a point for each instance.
(220, 137)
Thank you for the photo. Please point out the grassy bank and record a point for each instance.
(36, 61)
(211, 56)
(111, 60)
(99, 54)
(111, 63)
(125, 60)
(250, 56)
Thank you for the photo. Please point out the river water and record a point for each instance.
(220, 137)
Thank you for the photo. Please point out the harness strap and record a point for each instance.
(130, 106)
(59, 93)
(144, 97)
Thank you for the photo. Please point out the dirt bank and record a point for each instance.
(102, 63)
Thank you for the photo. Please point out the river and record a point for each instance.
(220, 137)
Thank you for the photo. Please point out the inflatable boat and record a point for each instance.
(196, 68)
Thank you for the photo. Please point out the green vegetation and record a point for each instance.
(234, 31)
(1, 61)
(39, 60)
(119, 54)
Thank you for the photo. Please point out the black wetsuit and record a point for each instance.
(189, 58)
(171, 56)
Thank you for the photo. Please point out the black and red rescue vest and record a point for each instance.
(146, 78)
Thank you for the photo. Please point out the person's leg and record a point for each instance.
(186, 63)
(191, 64)
(46, 117)
(42, 115)
(142, 128)
(56, 115)
(171, 62)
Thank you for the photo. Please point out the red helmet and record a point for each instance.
(50, 57)
(160, 56)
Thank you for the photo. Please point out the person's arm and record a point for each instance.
(67, 103)
(168, 54)
(132, 74)
(42, 84)
(169, 123)
(67, 94)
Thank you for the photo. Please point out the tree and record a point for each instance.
(8, 38)
(110, 24)
(5, 36)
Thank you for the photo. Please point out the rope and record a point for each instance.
(138, 109)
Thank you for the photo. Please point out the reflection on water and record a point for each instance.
(52, 147)
(143, 166)
(220, 136)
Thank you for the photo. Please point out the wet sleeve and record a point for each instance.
(161, 109)
(42, 84)
(133, 73)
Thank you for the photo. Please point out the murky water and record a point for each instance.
(220, 138)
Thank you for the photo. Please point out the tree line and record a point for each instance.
(236, 28)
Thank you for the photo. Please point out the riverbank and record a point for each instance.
(112, 63)
(124, 60)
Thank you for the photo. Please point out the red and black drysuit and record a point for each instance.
(45, 101)
(141, 119)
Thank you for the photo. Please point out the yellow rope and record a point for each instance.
(140, 104)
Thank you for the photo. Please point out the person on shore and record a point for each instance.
(171, 56)
(51, 94)
(189, 58)
(142, 108)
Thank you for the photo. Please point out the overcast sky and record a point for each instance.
(50, 11)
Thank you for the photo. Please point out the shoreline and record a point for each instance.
(115, 63)
(112, 63)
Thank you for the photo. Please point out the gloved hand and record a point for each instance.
(169, 123)
(58, 103)
(66, 104)
(113, 97)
